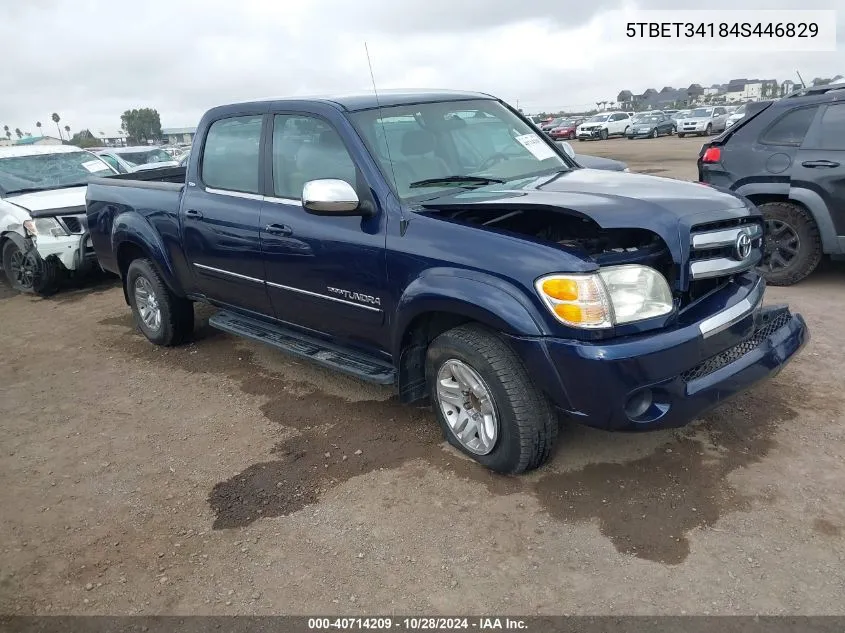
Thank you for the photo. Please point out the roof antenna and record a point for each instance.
(803, 85)
(403, 222)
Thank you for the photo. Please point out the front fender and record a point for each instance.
(478, 296)
(132, 228)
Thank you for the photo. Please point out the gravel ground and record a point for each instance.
(222, 477)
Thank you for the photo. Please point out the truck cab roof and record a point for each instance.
(354, 102)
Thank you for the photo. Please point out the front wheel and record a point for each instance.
(162, 317)
(654, 133)
(681, 135)
(27, 271)
(708, 130)
(603, 134)
(486, 403)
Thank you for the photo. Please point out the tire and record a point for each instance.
(580, 140)
(176, 318)
(655, 134)
(527, 423)
(794, 218)
(572, 136)
(27, 272)
(708, 130)
(603, 134)
(681, 135)
(673, 131)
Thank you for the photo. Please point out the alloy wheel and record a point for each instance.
(467, 404)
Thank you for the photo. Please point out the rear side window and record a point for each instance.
(833, 127)
(230, 157)
(790, 128)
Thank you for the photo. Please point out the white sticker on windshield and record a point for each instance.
(537, 146)
(94, 166)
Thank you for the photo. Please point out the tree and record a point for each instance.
(141, 124)
(6, 131)
(38, 125)
(84, 139)
(67, 129)
(18, 132)
(56, 118)
(598, 105)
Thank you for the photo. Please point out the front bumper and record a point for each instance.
(665, 379)
(638, 134)
(75, 252)
(589, 134)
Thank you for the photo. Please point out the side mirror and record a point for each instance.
(568, 149)
(330, 196)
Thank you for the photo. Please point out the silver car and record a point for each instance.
(736, 116)
(130, 159)
(703, 121)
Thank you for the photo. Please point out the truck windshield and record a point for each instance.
(36, 172)
(431, 146)
(144, 157)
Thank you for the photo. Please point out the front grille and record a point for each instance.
(72, 223)
(768, 327)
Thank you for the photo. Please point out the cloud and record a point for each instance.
(92, 59)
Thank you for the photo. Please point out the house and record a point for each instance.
(38, 140)
(694, 93)
(5, 142)
(111, 138)
(175, 135)
(787, 86)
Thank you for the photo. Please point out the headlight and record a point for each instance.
(613, 296)
(44, 226)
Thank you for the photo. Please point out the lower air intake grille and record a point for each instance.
(766, 329)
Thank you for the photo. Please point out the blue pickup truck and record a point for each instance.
(438, 243)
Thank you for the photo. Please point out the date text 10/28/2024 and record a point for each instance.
(417, 623)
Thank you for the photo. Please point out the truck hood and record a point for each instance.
(664, 206)
(43, 203)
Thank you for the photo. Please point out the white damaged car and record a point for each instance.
(43, 233)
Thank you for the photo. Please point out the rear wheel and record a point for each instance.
(486, 403)
(572, 136)
(793, 247)
(27, 272)
(162, 317)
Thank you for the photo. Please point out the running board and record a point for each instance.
(323, 353)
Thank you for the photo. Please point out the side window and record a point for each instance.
(618, 117)
(111, 161)
(230, 156)
(790, 128)
(306, 148)
(833, 127)
(719, 112)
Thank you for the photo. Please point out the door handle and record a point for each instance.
(820, 163)
(193, 213)
(278, 229)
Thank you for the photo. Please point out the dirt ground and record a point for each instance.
(223, 477)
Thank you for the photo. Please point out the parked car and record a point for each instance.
(788, 157)
(735, 116)
(601, 126)
(183, 161)
(42, 214)
(565, 129)
(131, 159)
(703, 121)
(651, 126)
(593, 162)
(642, 115)
(679, 115)
(552, 123)
(497, 280)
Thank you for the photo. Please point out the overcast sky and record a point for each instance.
(89, 60)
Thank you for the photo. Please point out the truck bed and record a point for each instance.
(161, 178)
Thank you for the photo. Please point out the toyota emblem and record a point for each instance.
(742, 248)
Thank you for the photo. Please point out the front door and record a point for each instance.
(221, 214)
(820, 164)
(326, 274)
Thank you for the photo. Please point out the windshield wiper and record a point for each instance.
(50, 188)
(481, 180)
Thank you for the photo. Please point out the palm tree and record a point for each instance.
(56, 118)
(38, 125)
(6, 131)
(598, 105)
(67, 129)
(18, 132)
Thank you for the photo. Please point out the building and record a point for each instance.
(38, 140)
(176, 135)
(111, 138)
(787, 86)
(5, 142)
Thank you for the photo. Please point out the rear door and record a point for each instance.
(221, 212)
(820, 163)
(324, 273)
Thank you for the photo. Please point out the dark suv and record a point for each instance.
(788, 157)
